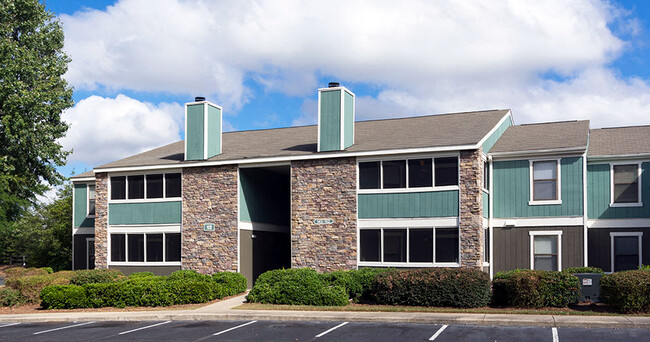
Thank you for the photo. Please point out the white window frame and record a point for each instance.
(88, 185)
(534, 233)
(381, 263)
(145, 199)
(130, 230)
(88, 254)
(531, 200)
(407, 188)
(639, 170)
(486, 168)
(612, 235)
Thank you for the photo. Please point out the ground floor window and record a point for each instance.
(545, 247)
(408, 246)
(145, 247)
(626, 250)
(486, 245)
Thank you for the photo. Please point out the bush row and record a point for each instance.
(535, 289)
(627, 291)
(30, 286)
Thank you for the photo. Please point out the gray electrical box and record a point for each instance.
(589, 286)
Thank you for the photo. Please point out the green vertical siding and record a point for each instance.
(407, 205)
(348, 139)
(264, 196)
(330, 120)
(598, 194)
(214, 131)
(144, 213)
(512, 190)
(194, 133)
(80, 207)
(492, 139)
(486, 204)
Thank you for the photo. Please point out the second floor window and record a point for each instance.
(91, 200)
(408, 173)
(149, 186)
(626, 184)
(545, 185)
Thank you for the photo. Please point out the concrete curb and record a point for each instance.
(390, 317)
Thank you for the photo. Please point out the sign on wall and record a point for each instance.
(323, 221)
(208, 227)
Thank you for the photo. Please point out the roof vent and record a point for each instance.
(199, 99)
(334, 84)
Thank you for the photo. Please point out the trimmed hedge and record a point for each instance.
(574, 270)
(535, 289)
(64, 297)
(302, 286)
(627, 291)
(23, 272)
(141, 275)
(10, 297)
(357, 283)
(449, 287)
(232, 282)
(98, 275)
(30, 286)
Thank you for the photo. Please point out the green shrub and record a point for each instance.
(98, 275)
(194, 291)
(23, 272)
(644, 267)
(30, 286)
(574, 270)
(453, 287)
(535, 289)
(49, 270)
(231, 282)
(296, 287)
(122, 294)
(357, 283)
(187, 275)
(141, 275)
(64, 297)
(10, 297)
(627, 291)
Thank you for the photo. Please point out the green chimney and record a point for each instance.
(202, 130)
(335, 118)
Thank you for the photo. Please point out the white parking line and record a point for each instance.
(142, 328)
(556, 338)
(61, 328)
(233, 328)
(9, 324)
(442, 328)
(332, 329)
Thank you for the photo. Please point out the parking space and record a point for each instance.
(300, 331)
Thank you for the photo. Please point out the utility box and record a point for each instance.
(589, 286)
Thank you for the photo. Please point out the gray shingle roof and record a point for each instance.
(619, 141)
(84, 175)
(543, 136)
(414, 132)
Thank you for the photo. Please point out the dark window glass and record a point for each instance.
(136, 247)
(447, 245)
(486, 243)
(544, 180)
(118, 188)
(172, 185)
(394, 245)
(173, 247)
(420, 173)
(421, 245)
(394, 174)
(446, 171)
(626, 184)
(91, 200)
(369, 175)
(154, 186)
(626, 253)
(545, 249)
(136, 187)
(486, 176)
(154, 247)
(370, 244)
(118, 247)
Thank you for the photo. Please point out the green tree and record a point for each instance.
(33, 95)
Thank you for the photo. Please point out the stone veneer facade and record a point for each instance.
(101, 220)
(209, 196)
(471, 209)
(323, 189)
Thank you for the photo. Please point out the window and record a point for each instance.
(486, 244)
(545, 185)
(91, 200)
(145, 247)
(395, 246)
(625, 187)
(626, 250)
(408, 173)
(486, 176)
(152, 186)
(545, 250)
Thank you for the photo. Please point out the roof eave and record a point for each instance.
(538, 153)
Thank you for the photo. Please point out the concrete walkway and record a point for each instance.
(224, 311)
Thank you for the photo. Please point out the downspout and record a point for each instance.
(490, 214)
(585, 229)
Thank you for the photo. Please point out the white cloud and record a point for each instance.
(107, 129)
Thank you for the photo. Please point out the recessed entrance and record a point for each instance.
(264, 220)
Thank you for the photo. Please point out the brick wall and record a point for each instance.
(471, 209)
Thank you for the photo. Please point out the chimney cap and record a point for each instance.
(199, 98)
(334, 85)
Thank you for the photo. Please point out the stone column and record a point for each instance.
(471, 209)
(101, 220)
(324, 189)
(209, 196)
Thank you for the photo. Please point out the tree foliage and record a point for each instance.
(33, 95)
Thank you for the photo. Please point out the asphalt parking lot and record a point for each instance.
(300, 331)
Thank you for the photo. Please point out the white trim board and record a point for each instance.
(538, 222)
(83, 231)
(439, 222)
(84, 179)
(557, 233)
(619, 223)
(148, 229)
(558, 182)
(507, 115)
(639, 169)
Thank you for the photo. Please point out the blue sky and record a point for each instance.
(135, 62)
